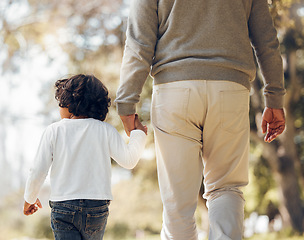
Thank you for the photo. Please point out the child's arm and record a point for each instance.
(38, 172)
(30, 209)
(127, 155)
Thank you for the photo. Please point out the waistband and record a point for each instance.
(79, 204)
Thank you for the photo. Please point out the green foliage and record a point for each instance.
(120, 230)
(146, 237)
(263, 175)
(91, 33)
(261, 193)
(146, 173)
(287, 234)
(14, 224)
(136, 205)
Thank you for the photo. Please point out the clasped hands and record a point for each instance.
(132, 122)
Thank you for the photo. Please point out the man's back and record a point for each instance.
(199, 40)
(207, 39)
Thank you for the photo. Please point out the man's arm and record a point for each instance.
(264, 40)
(267, 48)
(139, 50)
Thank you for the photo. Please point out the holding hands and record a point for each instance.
(132, 122)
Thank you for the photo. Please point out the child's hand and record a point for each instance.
(30, 209)
(139, 126)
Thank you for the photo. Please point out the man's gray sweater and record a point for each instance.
(177, 40)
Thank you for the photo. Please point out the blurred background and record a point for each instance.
(45, 40)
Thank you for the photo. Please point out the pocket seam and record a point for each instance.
(64, 213)
(223, 112)
(157, 109)
(104, 215)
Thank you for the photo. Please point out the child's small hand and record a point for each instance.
(30, 209)
(139, 126)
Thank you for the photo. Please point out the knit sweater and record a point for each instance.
(177, 40)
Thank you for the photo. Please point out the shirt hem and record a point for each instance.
(73, 197)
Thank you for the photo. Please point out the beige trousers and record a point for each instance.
(201, 128)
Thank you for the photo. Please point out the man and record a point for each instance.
(199, 53)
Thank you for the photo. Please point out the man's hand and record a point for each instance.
(273, 121)
(30, 209)
(129, 123)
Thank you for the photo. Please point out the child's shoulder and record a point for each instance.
(108, 126)
(103, 127)
(53, 127)
(68, 123)
(55, 124)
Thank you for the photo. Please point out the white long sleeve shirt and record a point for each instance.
(79, 152)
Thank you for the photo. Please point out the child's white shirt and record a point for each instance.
(79, 152)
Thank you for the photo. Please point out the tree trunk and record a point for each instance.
(289, 187)
(289, 163)
(282, 154)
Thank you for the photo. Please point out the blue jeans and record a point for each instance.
(79, 219)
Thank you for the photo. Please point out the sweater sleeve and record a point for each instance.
(141, 37)
(127, 155)
(40, 168)
(266, 45)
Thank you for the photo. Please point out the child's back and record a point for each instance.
(80, 152)
(79, 149)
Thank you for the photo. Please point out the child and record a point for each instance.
(80, 148)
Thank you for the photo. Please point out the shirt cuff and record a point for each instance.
(139, 132)
(125, 109)
(29, 199)
(276, 102)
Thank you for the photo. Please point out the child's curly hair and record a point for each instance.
(83, 95)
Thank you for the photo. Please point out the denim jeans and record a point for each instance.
(79, 219)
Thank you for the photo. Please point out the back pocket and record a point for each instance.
(169, 108)
(234, 113)
(62, 219)
(96, 222)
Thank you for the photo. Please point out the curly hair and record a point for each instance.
(83, 95)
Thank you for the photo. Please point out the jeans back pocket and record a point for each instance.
(62, 219)
(96, 222)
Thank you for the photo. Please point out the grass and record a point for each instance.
(274, 236)
(268, 236)
(152, 237)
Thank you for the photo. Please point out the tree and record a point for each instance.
(90, 34)
(284, 154)
(85, 36)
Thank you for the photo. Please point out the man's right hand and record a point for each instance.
(128, 123)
